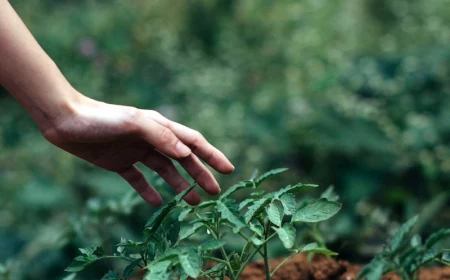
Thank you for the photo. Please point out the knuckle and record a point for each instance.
(166, 136)
(131, 120)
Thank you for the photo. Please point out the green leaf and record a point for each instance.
(256, 241)
(246, 251)
(287, 235)
(256, 208)
(111, 275)
(246, 202)
(320, 210)
(158, 218)
(294, 189)
(257, 193)
(191, 262)
(416, 241)
(314, 248)
(173, 232)
(77, 266)
(436, 237)
(185, 232)
(268, 175)
(184, 214)
(257, 228)
(275, 212)
(289, 203)
(216, 270)
(212, 245)
(231, 216)
(129, 269)
(206, 204)
(399, 238)
(158, 271)
(235, 188)
(235, 262)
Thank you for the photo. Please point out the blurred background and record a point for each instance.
(350, 93)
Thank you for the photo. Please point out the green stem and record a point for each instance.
(266, 253)
(283, 262)
(252, 255)
(222, 250)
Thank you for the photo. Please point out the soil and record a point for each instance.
(322, 268)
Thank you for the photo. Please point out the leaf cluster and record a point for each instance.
(168, 251)
(406, 255)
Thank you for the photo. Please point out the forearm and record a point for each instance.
(29, 74)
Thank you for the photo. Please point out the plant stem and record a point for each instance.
(283, 262)
(222, 250)
(266, 254)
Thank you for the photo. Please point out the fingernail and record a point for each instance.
(182, 149)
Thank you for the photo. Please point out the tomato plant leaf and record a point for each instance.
(275, 212)
(319, 210)
(235, 188)
(246, 202)
(287, 235)
(289, 204)
(268, 175)
(230, 215)
(314, 248)
(398, 240)
(294, 189)
(257, 207)
(158, 270)
(185, 232)
(436, 237)
(191, 262)
(212, 245)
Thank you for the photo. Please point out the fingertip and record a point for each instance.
(193, 198)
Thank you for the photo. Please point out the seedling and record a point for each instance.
(406, 255)
(167, 252)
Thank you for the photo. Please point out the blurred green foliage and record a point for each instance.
(354, 93)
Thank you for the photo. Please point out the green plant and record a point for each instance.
(166, 254)
(406, 255)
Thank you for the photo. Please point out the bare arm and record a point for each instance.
(110, 136)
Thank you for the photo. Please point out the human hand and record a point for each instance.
(116, 137)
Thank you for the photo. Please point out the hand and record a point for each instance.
(116, 137)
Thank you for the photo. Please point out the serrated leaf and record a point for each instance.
(289, 204)
(268, 175)
(294, 189)
(158, 218)
(76, 266)
(257, 193)
(275, 212)
(218, 268)
(287, 235)
(158, 271)
(399, 237)
(111, 275)
(231, 216)
(191, 262)
(129, 269)
(185, 232)
(206, 204)
(436, 237)
(320, 210)
(257, 228)
(246, 202)
(235, 188)
(256, 208)
(212, 245)
(372, 271)
(314, 248)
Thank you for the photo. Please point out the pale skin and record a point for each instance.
(109, 136)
